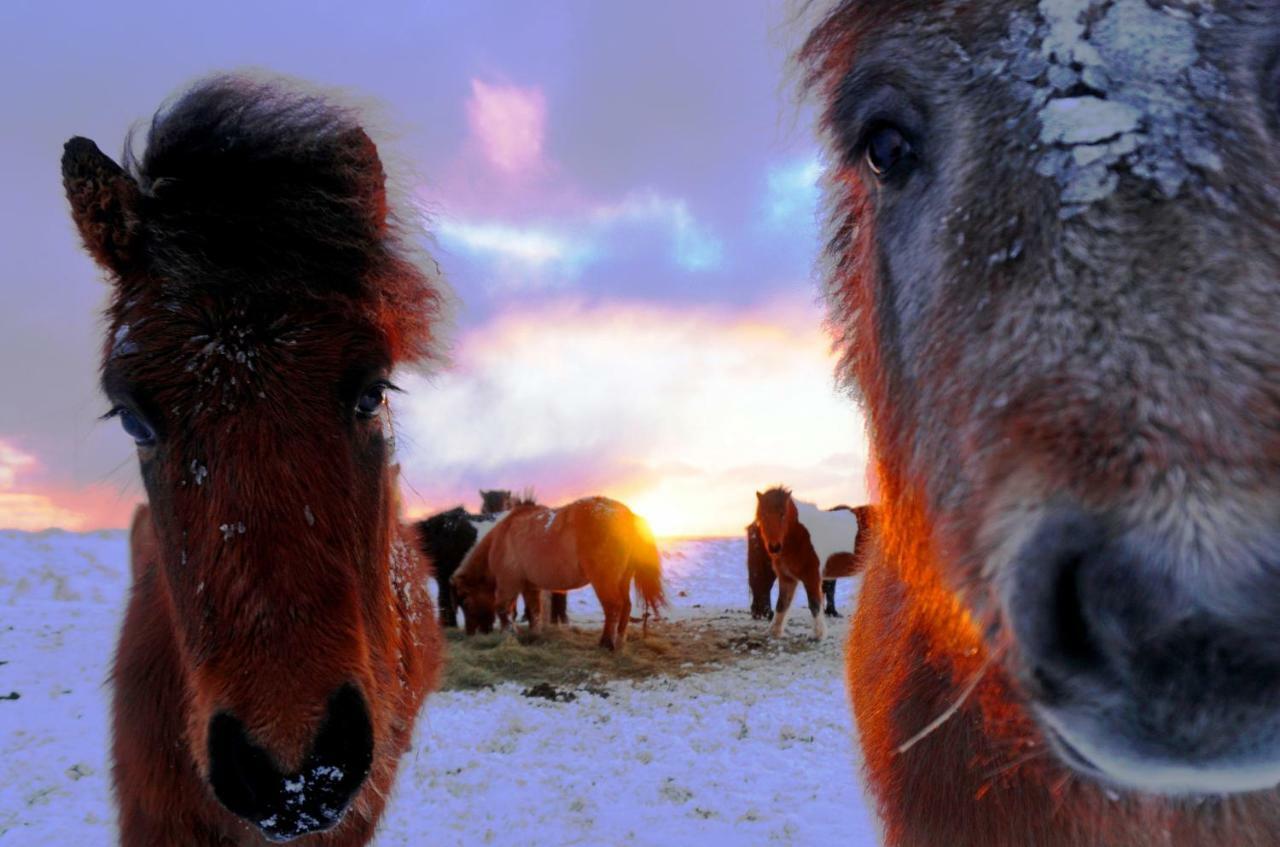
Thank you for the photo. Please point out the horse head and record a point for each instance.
(260, 297)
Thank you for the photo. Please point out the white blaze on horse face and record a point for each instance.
(1123, 93)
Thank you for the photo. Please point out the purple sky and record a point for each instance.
(621, 195)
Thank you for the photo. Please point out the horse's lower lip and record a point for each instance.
(1069, 754)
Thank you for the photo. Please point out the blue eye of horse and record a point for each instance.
(372, 401)
(887, 150)
(142, 434)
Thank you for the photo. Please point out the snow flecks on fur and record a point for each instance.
(120, 343)
(231, 530)
(409, 592)
(1123, 91)
(198, 472)
(309, 515)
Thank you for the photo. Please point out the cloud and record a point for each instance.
(792, 196)
(518, 257)
(554, 254)
(29, 509)
(691, 408)
(509, 124)
(692, 246)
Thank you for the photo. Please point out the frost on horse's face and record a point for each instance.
(259, 302)
(1055, 280)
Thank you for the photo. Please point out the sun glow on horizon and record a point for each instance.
(680, 414)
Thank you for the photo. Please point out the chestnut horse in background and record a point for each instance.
(279, 638)
(760, 574)
(1055, 281)
(445, 539)
(595, 540)
(500, 500)
(799, 547)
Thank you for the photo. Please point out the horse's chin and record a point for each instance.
(1120, 764)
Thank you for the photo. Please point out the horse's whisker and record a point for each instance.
(953, 708)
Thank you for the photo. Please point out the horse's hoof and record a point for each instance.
(832, 613)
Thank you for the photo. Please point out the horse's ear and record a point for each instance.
(371, 179)
(759, 496)
(104, 204)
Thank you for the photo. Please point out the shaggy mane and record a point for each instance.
(267, 188)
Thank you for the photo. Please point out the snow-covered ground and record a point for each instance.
(758, 753)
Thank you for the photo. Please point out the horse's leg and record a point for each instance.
(605, 593)
(559, 607)
(533, 608)
(610, 625)
(813, 592)
(624, 612)
(829, 589)
(506, 592)
(786, 589)
(448, 603)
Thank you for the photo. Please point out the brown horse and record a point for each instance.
(279, 638)
(594, 541)
(800, 545)
(1055, 280)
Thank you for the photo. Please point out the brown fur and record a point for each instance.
(1116, 356)
(760, 575)
(595, 541)
(792, 554)
(258, 284)
(844, 565)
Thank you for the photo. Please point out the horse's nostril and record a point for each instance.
(247, 781)
(1054, 584)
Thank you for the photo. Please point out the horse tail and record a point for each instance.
(648, 569)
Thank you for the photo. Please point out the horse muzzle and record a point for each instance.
(1139, 680)
(285, 806)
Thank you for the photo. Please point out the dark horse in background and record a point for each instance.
(279, 637)
(496, 501)
(760, 575)
(448, 536)
(445, 539)
(1054, 277)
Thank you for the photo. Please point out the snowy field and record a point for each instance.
(760, 752)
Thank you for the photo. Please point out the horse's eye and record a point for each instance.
(888, 150)
(138, 429)
(371, 401)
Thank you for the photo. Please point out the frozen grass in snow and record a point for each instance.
(732, 740)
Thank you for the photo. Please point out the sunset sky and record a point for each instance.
(621, 194)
